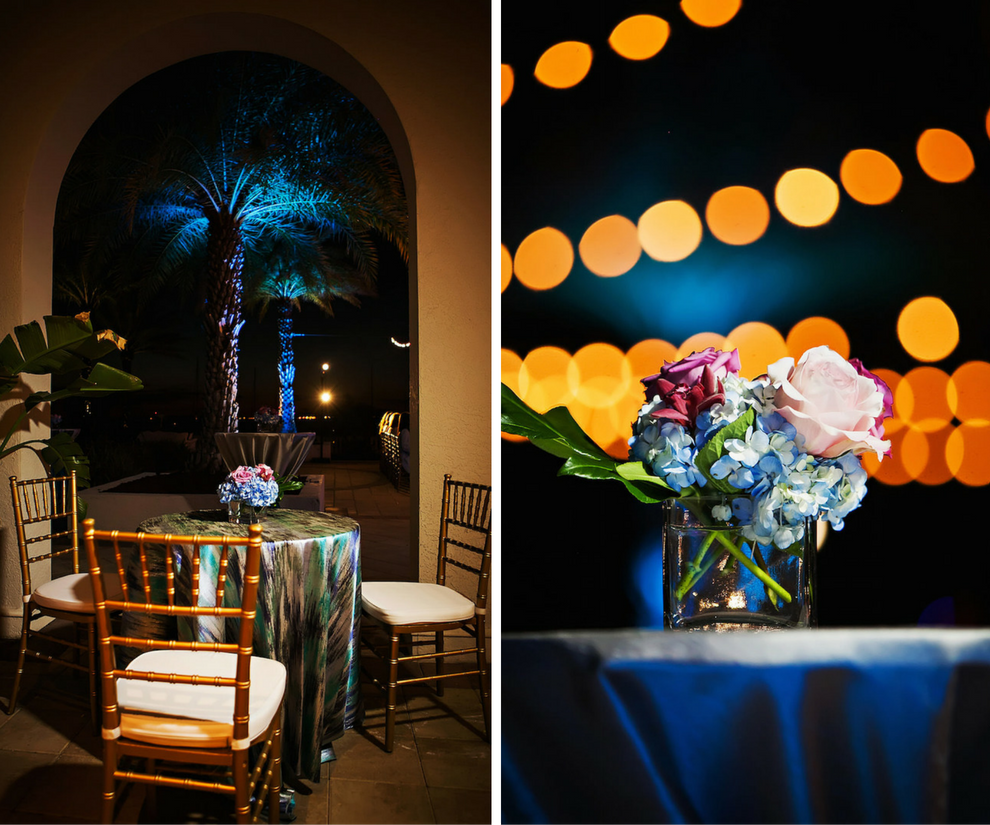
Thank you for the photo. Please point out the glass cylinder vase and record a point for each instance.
(242, 512)
(716, 577)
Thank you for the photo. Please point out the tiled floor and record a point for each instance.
(439, 770)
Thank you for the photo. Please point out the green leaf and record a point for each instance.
(714, 450)
(554, 431)
(635, 471)
(558, 433)
(100, 381)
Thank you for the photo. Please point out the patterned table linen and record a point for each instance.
(309, 609)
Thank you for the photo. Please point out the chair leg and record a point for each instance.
(94, 710)
(439, 649)
(242, 800)
(393, 678)
(109, 783)
(25, 627)
(486, 705)
(275, 784)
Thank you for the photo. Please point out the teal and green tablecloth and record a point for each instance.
(309, 610)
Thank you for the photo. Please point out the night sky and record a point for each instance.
(781, 86)
(368, 374)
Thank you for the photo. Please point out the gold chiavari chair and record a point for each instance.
(185, 708)
(45, 518)
(403, 608)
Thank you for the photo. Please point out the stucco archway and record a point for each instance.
(157, 49)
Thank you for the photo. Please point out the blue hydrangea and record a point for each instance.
(256, 492)
(785, 485)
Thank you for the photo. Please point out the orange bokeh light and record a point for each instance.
(543, 378)
(647, 357)
(610, 246)
(699, 341)
(968, 453)
(511, 365)
(892, 469)
(936, 469)
(639, 37)
(944, 156)
(599, 375)
(969, 392)
(817, 332)
(506, 267)
(508, 80)
(870, 176)
(759, 346)
(927, 329)
(806, 197)
(544, 259)
(921, 399)
(710, 13)
(669, 231)
(737, 215)
(564, 65)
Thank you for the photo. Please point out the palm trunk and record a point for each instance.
(286, 368)
(223, 321)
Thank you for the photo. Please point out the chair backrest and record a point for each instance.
(135, 550)
(465, 533)
(44, 510)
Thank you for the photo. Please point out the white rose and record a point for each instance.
(829, 403)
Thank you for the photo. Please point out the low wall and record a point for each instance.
(125, 511)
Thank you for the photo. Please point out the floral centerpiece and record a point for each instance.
(267, 420)
(248, 491)
(746, 468)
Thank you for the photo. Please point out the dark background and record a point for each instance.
(781, 86)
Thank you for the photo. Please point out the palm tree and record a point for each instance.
(258, 150)
(288, 274)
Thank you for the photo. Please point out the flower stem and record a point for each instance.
(748, 564)
(697, 567)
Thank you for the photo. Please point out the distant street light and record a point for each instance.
(325, 397)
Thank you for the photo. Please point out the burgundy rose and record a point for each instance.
(682, 403)
(688, 370)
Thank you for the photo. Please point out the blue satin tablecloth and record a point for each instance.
(882, 725)
(308, 616)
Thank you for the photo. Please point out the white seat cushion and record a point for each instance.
(414, 603)
(201, 702)
(73, 592)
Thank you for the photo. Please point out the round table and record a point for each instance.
(309, 611)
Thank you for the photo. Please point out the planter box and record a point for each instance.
(125, 511)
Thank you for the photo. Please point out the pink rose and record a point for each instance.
(242, 475)
(888, 398)
(688, 371)
(265, 473)
(830, 403)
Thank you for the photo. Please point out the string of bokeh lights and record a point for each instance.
(941, 425)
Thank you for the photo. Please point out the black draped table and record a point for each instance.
(285, 453)
(884, 725)
(309, 611)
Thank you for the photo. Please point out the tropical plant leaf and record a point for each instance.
(714, 450)
(101, 380)
(557, 433)
(67, 344)
(554, 431)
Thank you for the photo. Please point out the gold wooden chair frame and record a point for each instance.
(38, 504)
(404, 608)
(188, 707)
